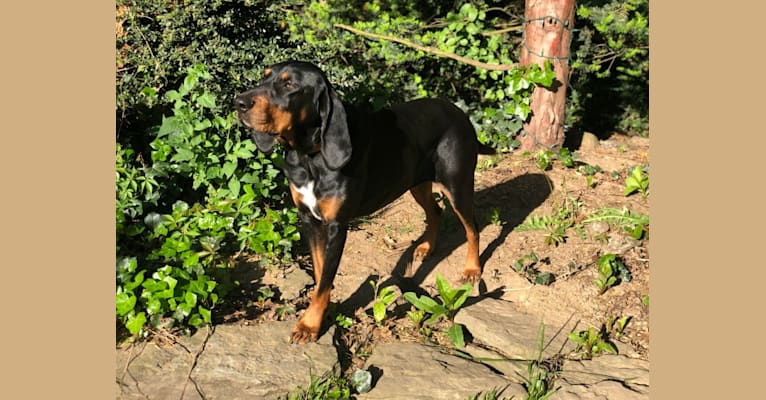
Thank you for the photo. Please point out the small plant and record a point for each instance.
(566, 157)
(492, 394)
(635, 224)
(611, 272)
(383, 298)
(343, 321)
(589, 171)
(539, 381)
(416, 317)
(283, 311)
(451, 301)
(264, 293)
(645, 300)
(495, 218)
(616, 326)
(526, 265)
(592, 342)
(544, 159)
(637, 182)
(555, 226)
(488, 163)
(323, 387)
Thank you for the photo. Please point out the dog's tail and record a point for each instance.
(485, 149)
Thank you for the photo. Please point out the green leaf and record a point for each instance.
(170, 125)
(455, 333)
(125, 303)
(205, 313)
(445, 290)
(234, 186)
(195, 320)
(206, 100)
(228, 168)
(182, 154)
(379, 311)
(243, 152)
(135, 323)
(190, 298)
(461, 295)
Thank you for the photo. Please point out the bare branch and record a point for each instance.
(428, 49)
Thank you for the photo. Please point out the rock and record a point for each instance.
(504, 326)
(291, 283)
(361, 381)
(237, 362)
(512, 369)
(606, 390)
(597, 228)
(619, 244)
(414, 371)
(631, 372)
(589, 141)
(156, 371)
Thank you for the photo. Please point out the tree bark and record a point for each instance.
(547, 36)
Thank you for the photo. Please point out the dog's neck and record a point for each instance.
(302, 168)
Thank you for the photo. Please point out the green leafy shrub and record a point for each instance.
(610, 76)
(157, 39)
(382, 72)
(204, 195)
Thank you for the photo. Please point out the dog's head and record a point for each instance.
(296, 106)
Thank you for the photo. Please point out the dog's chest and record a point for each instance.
(304, 195)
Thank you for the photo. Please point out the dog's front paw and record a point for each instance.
(422, 251)
(471, 275)
(302, 333)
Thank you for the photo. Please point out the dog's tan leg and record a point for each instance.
(463, 207)
(424, 196)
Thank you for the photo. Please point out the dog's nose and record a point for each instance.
(243, 103)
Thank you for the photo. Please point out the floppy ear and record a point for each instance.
(334, 135)
(264, 142)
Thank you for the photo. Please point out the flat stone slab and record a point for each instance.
(505, 326)
(607, 390)
(239, 362)
(415, 371)
(599, 374)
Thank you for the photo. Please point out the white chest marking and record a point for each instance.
(308, 198)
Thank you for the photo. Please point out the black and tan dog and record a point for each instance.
(343, 164)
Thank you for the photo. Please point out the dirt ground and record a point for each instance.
(510, 188)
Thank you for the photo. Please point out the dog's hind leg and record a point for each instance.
(423, 195)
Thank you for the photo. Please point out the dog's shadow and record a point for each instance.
(510, 201)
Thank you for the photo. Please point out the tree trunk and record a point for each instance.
(547, 35)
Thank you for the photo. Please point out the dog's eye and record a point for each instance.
(289, 84)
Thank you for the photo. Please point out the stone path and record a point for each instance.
(257, 362)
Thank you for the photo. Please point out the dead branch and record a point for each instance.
(428, 49)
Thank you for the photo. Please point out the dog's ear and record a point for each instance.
(334, 135)
(264, 142)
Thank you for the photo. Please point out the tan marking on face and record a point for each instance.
(268, 118)
(329, 207)
(267, 72)
(285, 76)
